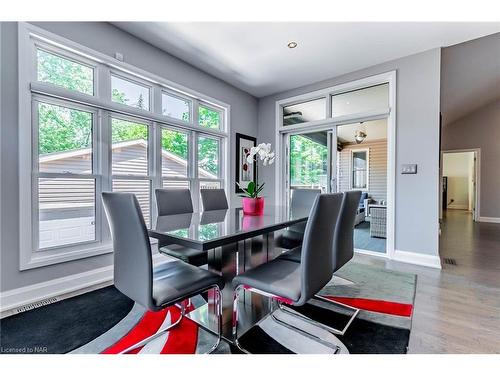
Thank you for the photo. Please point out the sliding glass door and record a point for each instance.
(308, 161)
(343, 158)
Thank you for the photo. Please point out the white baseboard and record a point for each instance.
(60, 288)
(484, 219)
(417, 258)
(458, 207)
(373, 253)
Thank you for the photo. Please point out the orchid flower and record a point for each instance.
(263, 151)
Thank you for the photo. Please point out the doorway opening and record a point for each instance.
(460, 182)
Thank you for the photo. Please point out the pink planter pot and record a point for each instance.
(253, 206)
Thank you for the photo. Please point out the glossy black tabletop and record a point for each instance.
(210, 229)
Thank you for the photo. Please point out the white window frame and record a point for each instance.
(29, 37)
(351, 168)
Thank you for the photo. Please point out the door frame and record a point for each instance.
(330, 122)
(477, 178)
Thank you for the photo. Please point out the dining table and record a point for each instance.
(234, 242)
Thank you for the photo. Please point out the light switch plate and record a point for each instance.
(409, 169)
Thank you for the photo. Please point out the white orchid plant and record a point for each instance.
(262, 151)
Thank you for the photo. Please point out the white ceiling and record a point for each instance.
(254, 56)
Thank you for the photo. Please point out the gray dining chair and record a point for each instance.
(153, 287)
(176, 202)
(293, 236)
(295, 283)
(173, 201)
(342, 250)
(214, 199)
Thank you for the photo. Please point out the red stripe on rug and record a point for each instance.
(147, 326)
(183, 339)
(380, 306)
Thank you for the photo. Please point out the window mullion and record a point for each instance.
(156, 100)
(194, 168)
(103, 84)
(156, 164)
(194, 115)
(104, 157)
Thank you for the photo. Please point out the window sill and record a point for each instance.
(42, 259)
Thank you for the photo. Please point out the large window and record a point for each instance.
(77, 151)
(360, 169)
(64, 177)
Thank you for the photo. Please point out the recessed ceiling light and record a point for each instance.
(292, 44)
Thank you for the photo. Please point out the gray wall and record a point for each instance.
(136, 52)
(480, 129)
(470, 76)
(417, 141)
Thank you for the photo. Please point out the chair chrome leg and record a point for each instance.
(277, 320)
(218, 309)
(305, 333)
(157, 334)
(333, 330)
(235, 319)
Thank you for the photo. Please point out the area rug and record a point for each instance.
(105, 321)
(383, 326)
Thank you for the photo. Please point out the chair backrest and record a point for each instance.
(316, 258)
(214, 199)
(133, 272)
(343, 247)
(302, 198)
(173, 201)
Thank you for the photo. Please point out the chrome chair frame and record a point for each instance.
(333, 330)
(182, 306)
(280, 300)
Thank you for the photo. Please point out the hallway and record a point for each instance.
(457, 308)
(474, 246)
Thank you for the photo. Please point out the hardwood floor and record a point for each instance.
(457, 309)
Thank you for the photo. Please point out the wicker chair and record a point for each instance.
(378, 222)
